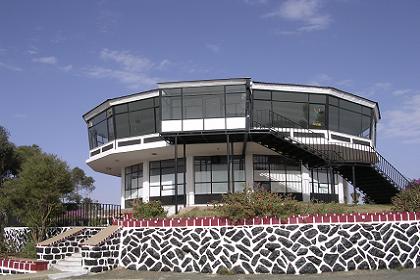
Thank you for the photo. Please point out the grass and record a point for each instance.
(321, 208)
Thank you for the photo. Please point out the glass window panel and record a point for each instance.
(333, 100)
(261, 175)
(122, 126)
(296, 112)
(171, 108)
(154, 180)
(220, 187)
(294, 187)
(168, 190)
(157, 119)
(317, 98)
(333, 119)
(204, 90)
(123, 108)
(214, 106)
(219, 169)
(262, 186)
(290, 96)
(316, 116)
(171, 92)
(193, 107)
(141, 104)
(293, 175)
(99, 133)
(239, 186)
(278, 187)
(262, 112)
(236, 88)
(262, 94)
(350, 106)
(142, 122)
(235, 105)
(99, 118)
(111, 129)
(154, 191)
(366, 111)
(202, 188)
(350, 122)
(168, 179)
(180, 189)
(366, 122)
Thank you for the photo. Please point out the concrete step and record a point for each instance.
(68, 267)
(67, 274)
(72, 259)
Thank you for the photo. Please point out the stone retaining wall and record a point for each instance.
(66, 247)
(17, 237)
(102, 257)
(295, 249)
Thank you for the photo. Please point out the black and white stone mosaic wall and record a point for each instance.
(102, 257)
(66, 247)
(293, 249)
(17, 237)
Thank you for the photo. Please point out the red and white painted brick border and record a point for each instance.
(129, 221)
(13, 266)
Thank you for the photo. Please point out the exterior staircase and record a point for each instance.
(70, 266)
(359, 164)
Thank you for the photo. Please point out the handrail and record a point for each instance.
(334, 154)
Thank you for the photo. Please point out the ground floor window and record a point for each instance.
(324, 183)
(211, 174)
(162, 180)
(133, 187)
(277, 174)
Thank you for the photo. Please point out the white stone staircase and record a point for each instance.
(69, 267)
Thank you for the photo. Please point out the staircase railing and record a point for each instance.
(333, 153)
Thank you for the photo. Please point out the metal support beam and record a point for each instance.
(176, 173)
(353, 170)
(228, 162)
(185, 172)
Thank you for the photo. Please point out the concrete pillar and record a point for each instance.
(347, 197)
(249, 170)
(122, 188)
(306, 183)
(146, 185)
(189, 180)
(341, 194)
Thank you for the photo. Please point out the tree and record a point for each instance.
(9, 163)
(37, 192)
(83, 186)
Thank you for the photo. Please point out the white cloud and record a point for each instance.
(376, 88)
(52, 60)
(10, 67)
(404, 122)
(134, 71)
(305, 12)
(326, 80)
(67, 68)
(255, 2)
(213, 47)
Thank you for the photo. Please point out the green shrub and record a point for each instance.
(28, 251)
(147, 210)
(408, 199)
(249, 204)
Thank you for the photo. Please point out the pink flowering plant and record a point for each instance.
(409, 198)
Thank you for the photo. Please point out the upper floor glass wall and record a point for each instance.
(126, 120)
(203, 102)
(316, 111)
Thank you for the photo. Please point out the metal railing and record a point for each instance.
(86, 214)
(333, 153)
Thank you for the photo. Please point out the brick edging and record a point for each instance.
(23, 265)
(128, 221)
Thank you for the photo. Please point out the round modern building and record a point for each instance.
(188, 143)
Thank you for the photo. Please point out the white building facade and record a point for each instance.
(188, 143)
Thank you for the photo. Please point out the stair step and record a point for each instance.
(67, 274)
(63, 267)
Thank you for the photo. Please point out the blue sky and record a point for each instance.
(58, 59)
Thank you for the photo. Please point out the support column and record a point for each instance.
(189, 168)
(249, 171)
(122, 188)
(341, 191)
(353, 169)
(176, 173)
(146, 185)
(228, 153)
(306, 184)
